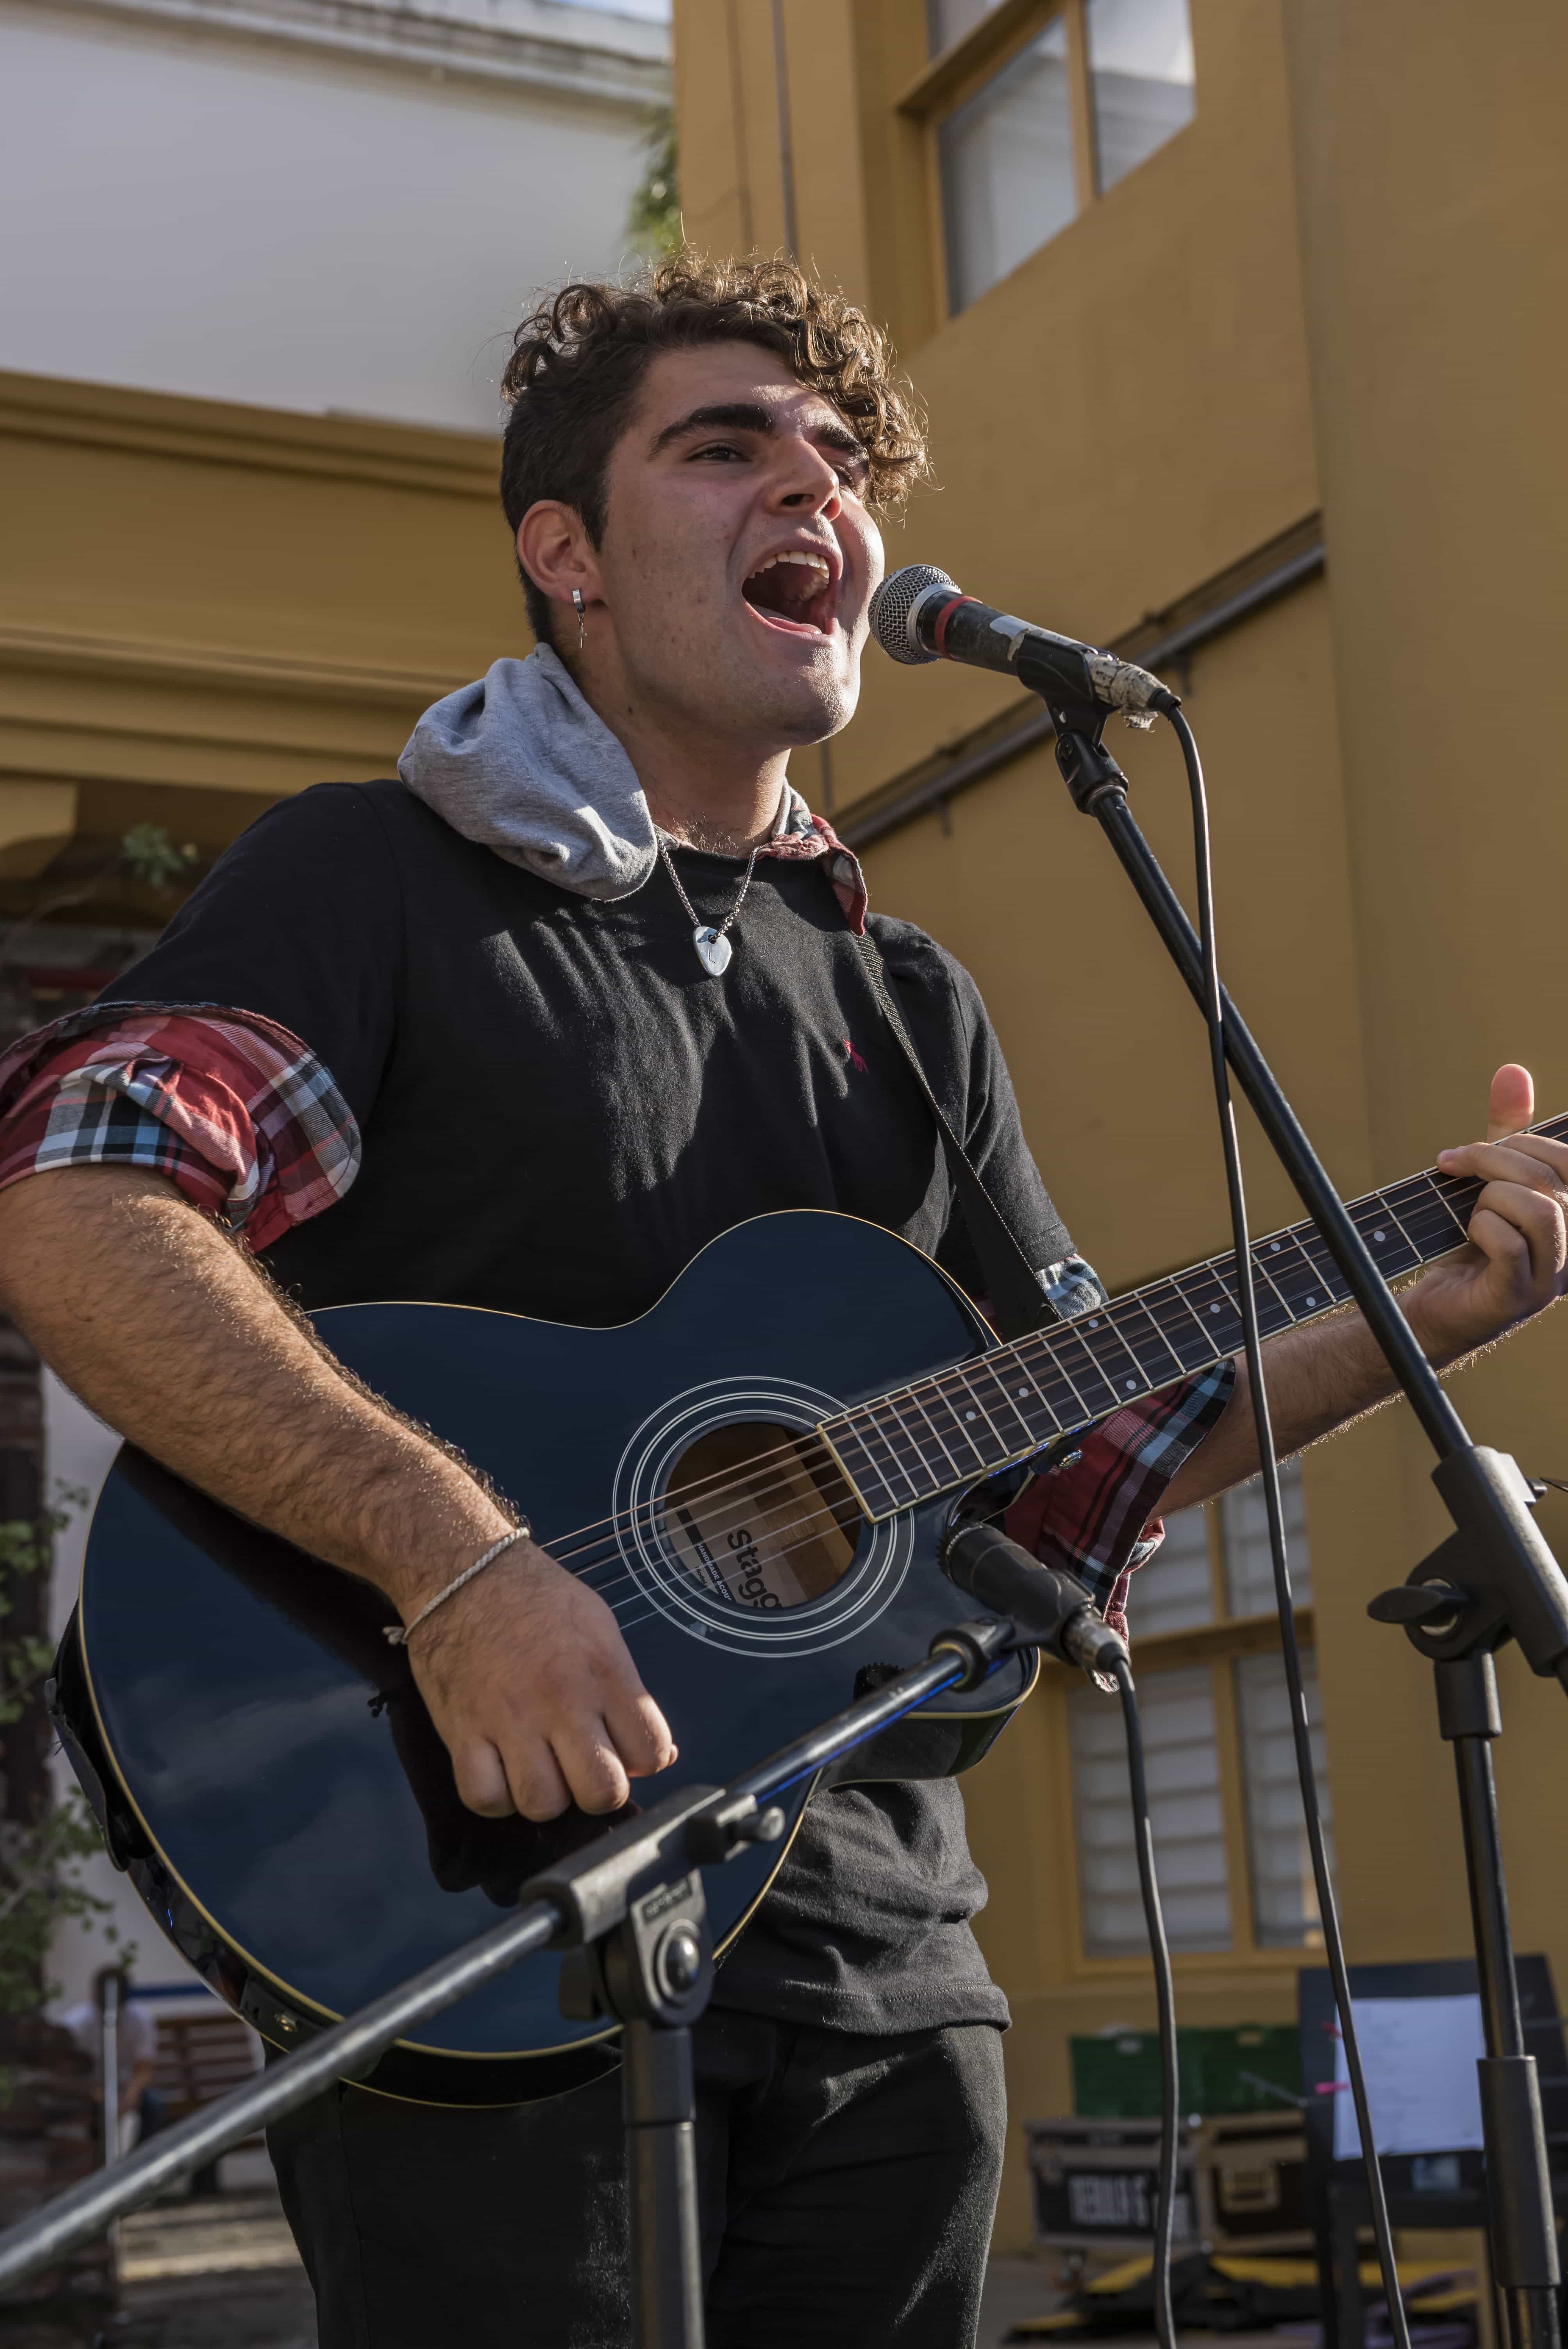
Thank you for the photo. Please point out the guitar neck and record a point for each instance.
(1005, 1406)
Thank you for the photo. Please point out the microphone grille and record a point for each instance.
(892, 608)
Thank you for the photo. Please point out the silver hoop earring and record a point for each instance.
(582, 622)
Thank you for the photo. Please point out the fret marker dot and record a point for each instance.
(1023, 1394)
(1380, 1235)
(1274, 1247)
(968, 1414)
(1213, 1309)
(1094, 1325)
(1312, 1301)
(1131, 1386)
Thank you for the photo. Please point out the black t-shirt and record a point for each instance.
(558, 1108)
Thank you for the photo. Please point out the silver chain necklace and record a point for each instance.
(713, 948)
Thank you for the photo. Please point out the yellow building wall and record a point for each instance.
(1325, 293)
(203, 605)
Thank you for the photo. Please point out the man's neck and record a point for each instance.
(716, 832)
(704, 792)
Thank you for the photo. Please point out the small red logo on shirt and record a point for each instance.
(855, 1060)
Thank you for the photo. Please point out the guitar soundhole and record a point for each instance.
(760, 1517)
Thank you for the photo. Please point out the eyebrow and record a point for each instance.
(750, 416)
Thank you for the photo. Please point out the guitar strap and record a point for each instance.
(1018, 1300)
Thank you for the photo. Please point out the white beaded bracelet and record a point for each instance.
(400, 1634)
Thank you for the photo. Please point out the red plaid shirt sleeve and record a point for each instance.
(1095, 1514)
(240, 1115)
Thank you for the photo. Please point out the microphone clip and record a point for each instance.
(1048, 1608)
(1086, 765)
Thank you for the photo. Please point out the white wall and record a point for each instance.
(301, 225)
(78, 1452)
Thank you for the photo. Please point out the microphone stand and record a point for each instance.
(1494, 1579)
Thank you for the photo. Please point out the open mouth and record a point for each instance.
(794, 591)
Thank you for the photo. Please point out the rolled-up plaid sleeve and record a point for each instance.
(237, 1113)
(1097, 1513)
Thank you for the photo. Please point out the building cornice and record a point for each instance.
(268, 439)
(132, 661)
(537, 44)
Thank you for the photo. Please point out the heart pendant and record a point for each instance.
(713, 951)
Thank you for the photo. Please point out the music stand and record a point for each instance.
(1437, 2184)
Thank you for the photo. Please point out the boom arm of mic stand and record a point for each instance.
(581, 1899)
(1509, 1570)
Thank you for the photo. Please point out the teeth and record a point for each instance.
(812, 562)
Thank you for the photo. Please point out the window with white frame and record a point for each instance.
(1230, 1837)
(1284, 1899)
(1030, 124)
(1243, 1542)
(1140, 80)
(1007, 156)
(947, 21)
(1186, 1812)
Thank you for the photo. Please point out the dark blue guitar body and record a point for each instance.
(261, 1759)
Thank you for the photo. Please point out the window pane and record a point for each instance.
(1244, 1527)
(1173, 1591)
(1284, 1899)
(1008, 167)
(1178, 1713)
(947, 21)
(1140, 80)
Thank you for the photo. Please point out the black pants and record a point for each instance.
(848, 2185)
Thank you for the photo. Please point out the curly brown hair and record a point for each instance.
(578, 361)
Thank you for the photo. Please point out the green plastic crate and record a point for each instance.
(1116, 2075)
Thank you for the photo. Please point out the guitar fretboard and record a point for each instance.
(1008, 1403)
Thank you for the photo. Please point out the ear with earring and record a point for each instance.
(582, 622)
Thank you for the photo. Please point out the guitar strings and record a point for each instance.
(806, 1541)
(628, 1621)
(763, 1533)
(819, 1518)
(1154, 1302)
(814, 1518)
(902, 1447)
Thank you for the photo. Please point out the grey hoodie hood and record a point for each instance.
(519, 763)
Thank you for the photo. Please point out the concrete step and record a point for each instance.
(225, 2234)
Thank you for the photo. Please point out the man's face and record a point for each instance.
(737, 560)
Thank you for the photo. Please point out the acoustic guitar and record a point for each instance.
(756, 1476)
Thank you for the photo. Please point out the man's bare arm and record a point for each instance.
(1516, 1263)
(1319, 1380)
(166, 1329)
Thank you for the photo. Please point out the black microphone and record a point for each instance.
(920, 614)
(1049, 1607)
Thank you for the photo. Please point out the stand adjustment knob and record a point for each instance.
(680, 1958)
(1418, 1602)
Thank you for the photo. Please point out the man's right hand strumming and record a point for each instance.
(531, 1684)
(173, 1336)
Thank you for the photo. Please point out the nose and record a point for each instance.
(806, 483)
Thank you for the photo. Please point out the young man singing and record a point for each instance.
(525, 1030)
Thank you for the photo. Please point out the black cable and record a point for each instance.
(1165, 1993)
(1334, 1945)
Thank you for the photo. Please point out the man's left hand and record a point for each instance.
(1517, 1259)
